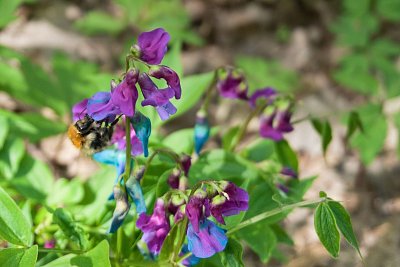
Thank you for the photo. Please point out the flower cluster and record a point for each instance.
(121, 99)
(114, 112)
(275, 120)
(214, 199)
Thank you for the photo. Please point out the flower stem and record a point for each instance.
(243, 128)
(63, 251)
(273, 212)
(128, 150)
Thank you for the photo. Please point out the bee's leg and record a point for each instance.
(115, 121)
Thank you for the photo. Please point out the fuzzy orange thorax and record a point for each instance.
(75, 136)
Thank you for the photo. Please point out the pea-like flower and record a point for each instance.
(152, 46)
(273, 126)
(142, 126)
(232, 84)
(154, 227)
(267, 95)
(155, 97)
(231, 201)
(206, 241)
(170, 76)
(79, 110)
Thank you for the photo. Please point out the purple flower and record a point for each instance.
(79, 110)
(170, 76)
(283, 188)
(121, 100)
(232, 84)
(198, 208)
(289, 172)
(100, 107)
(125, 94)
(49, 243)
(206, 241)
(232, 201)
(186, 163)
(267, 93)
(157, 98)
(153, 46)
(173, 178)
(271, 129)
(155, 227)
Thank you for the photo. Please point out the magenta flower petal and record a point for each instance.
(99, 106)
(232, 202)
(79, 110)
(170, 76)
(232, 84)
(267, 129)
(125, 94)
(153, 45)
(210, 239)
(267, 93)
(154, 227)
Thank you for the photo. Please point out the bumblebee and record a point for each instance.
(91, 136)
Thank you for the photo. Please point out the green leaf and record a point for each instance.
(261, 73)
(326, 228)
(96, 257)
(260, 150)
(61, 261)
(260, 238)
(11, 156)
(353, 123)
(230, 138)
(68, 192)
(173, 242)
(14, 227)
(30, 256)
(219, 164)
(397, 123)
(98, 22)
(232, 255)
(281, 234)
(355, 30)
(371, 140)
(325, 131)
(343, 222)
(8, 11)
(389, 9)
(286, 156)
(11, 256)
(70, 228)
(3, 131)
(356, 65)
(181, 141)
(33, 179)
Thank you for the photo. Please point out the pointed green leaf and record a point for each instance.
(30, 256)
(343, 221)
(11, 156)
(3, 130)
(353, 123)
(325, 131)
(326, 228)
(14, 227)
(260, 238)
(96, 257)
(232, 255)
(286, 155)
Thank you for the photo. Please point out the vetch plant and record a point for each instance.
(170, 200)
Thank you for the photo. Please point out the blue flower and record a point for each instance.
(135, 192)
(191, 260)
(210, 239)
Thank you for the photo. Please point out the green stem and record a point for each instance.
(127, 172)
(244, 126)
(273, 212)
(63, 251)
(209, 92)
(165, 151)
